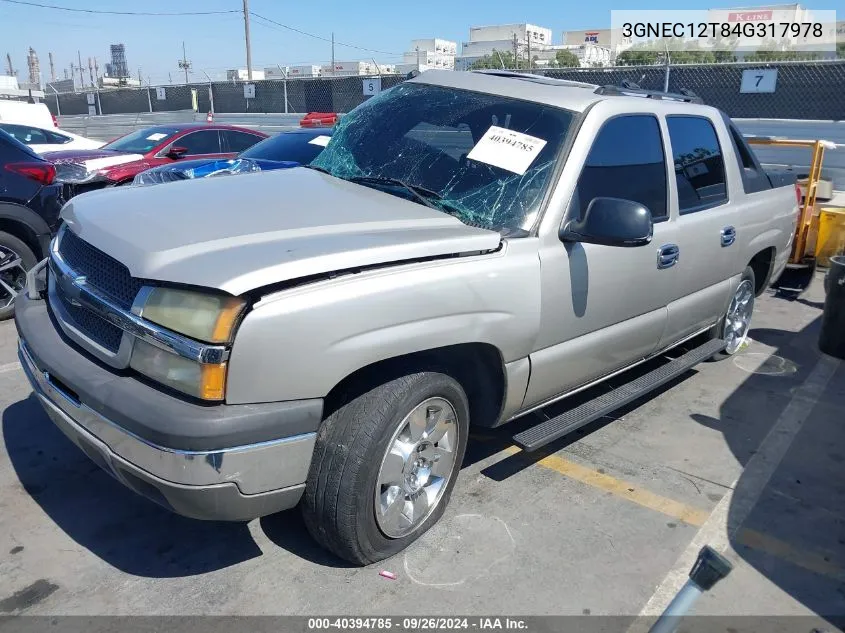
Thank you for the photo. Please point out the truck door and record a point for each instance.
(604, 307)
(707, 225)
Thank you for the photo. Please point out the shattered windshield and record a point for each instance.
(484, 158)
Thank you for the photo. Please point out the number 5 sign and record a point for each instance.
(759, 80)
(372, 86)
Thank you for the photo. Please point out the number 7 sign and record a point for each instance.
(759, 80)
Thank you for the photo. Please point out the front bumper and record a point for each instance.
(198, 478)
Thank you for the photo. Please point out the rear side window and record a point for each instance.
(203, 142)
(626, 161)
(754, 179)
(239, 141)
(699, 166)
(26, 134)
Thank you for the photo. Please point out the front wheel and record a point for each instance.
(734, 326)
(15, 259)
(384, 466)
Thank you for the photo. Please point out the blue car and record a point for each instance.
(283, 151)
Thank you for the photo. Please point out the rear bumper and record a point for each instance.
(237, 482)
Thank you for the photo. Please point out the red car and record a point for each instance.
(118, 162)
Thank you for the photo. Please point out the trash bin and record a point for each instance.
(832, 337)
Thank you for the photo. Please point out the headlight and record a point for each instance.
(203, 316)
(200, 380)
(207, 317)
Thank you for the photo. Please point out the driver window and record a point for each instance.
(626, 161)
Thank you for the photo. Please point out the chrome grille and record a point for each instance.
(98, 330)
(102, 271)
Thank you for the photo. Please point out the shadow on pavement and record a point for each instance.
(122, 528)
(793, 532)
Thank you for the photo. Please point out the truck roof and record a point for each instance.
(571, 95)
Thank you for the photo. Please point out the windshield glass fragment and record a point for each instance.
(488, 158)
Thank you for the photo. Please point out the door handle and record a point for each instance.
(728, 236)
(668, 256)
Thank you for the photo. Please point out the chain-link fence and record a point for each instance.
(804, 90)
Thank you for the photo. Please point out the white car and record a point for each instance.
(43, 140)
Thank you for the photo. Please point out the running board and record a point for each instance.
(554, 428)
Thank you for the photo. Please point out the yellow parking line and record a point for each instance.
(671, 508)
(800, 558)
(690, 515)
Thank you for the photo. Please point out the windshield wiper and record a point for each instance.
(421, 194)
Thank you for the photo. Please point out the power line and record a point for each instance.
(320, 37)
(98, 11)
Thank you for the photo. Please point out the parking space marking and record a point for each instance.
(722, 525)
(9, 367)
(810, 561)
(620, 488)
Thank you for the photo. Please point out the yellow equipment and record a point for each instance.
(802, 261)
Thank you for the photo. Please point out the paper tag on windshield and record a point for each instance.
(507, 149)
(321, 140)
(156, 137)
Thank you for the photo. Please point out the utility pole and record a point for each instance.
(169, 77)
(332, 54)
(81, 76)
(65, 69)
(96, 69)
(140, 78)
(11, 68)
(418, 59)
(52, 68)
(248, 44)
(528, 37)
(515, 53)
(91, 70)
(184, 63)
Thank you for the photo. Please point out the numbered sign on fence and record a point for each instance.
(161, 94)
(249, 91)
(372, 86)
(90, 98)
(759, 80)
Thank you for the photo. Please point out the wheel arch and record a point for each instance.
(763, 264)
(24, 224)
(478, 367)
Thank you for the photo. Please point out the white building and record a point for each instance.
(351, 69)
(307, 70)
(486, 40)
(431, 53)
(241, 74)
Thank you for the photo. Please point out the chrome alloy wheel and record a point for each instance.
(12, 276)
(738, 318)
(415, 470)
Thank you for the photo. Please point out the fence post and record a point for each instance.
(210, 91)
(58, 107)
(99, 105)
(284, 85)
(149, 99)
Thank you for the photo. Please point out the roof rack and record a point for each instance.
(630, 89)
(552, 81)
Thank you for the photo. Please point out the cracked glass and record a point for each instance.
(420, 135)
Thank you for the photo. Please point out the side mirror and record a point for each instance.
(611, 222)
(176, 152)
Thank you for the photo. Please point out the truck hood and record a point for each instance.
(239, 234)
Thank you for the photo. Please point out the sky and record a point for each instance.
(215, 43)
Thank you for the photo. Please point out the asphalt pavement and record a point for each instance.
(744, 454)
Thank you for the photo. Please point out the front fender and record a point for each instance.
(302, 342)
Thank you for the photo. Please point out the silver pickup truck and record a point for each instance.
(468, 248)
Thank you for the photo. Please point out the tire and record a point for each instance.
(340, 501)
(12, 249)
(721, 330)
